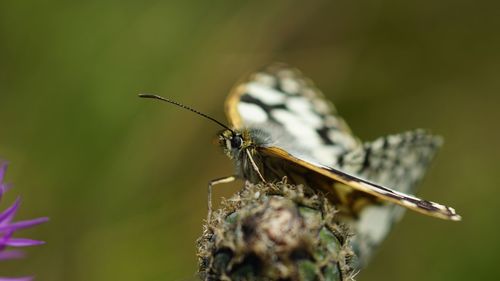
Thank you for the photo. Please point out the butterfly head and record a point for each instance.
(233, 142)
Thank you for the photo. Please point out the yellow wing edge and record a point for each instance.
(231, 106)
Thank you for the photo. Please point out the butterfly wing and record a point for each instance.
(281, 98)
(365, 186)
(398, 161)
(305, 128)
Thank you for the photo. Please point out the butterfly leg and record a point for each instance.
(210, 185)
(254, 165)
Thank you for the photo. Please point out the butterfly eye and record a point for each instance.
(236, 141)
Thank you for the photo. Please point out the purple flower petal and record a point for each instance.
(11, 254)
(3, 188)
(3, 169)
(7, 215)
(23, 224)
(3, 240)
(23, 242)
(7, 228)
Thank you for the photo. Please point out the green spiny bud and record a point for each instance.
(275, 232)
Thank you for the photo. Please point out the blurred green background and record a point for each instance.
(124, 180)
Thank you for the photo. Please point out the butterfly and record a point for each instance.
(280, 125)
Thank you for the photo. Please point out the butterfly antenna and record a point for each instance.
(152, 96)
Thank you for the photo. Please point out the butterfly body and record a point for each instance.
(249, 146)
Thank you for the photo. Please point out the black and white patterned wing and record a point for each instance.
(281, 101)
(397, 161)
